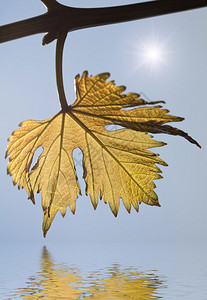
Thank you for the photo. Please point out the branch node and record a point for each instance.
(49, 37)
(52, 5)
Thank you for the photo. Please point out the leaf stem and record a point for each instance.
(59, 70)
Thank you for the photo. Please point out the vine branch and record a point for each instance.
(64, 18)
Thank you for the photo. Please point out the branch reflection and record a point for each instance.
(58, 281)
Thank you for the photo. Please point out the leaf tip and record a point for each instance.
(31, 197)
(104, 76)
(77, 77)
(155, 102)
(115, 212)
(95, 204)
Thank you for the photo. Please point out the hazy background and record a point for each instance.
(28, 91)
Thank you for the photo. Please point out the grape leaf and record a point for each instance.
(116, 163)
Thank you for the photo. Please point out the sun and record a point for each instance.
(151, 54)
(154, 54)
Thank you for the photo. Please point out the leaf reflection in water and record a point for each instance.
(57, 281)
(53, 281)
(119, 283)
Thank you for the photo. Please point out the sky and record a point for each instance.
(178, 76)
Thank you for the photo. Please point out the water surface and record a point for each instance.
(95, 271)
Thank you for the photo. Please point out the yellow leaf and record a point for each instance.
(116, 163)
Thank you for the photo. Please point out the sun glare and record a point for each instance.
(152, 55)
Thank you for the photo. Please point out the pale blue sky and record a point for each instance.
(28, 91)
